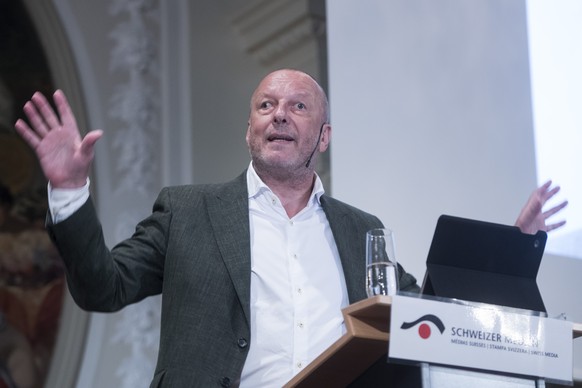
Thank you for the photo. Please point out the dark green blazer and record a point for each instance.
(194, 249)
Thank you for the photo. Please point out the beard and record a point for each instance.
(281, 166)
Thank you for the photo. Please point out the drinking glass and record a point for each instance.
(381, 268)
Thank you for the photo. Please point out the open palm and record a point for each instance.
(64, 156)
(533, 218)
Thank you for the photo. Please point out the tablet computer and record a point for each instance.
(484, 262)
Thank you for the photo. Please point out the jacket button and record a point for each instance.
(242, 343)
(225, 382)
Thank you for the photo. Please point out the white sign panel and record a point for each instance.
(484, 337)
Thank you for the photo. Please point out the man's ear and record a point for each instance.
(248, 132)
(325, 138)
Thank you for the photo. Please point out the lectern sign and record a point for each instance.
(479, 336)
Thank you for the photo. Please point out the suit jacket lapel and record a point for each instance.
(228, 210)
(352, 255)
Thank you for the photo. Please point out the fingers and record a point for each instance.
(26, 133)
(550, 212)
(555, 226)
(551, 193)
(544, 190)
(40, 115)
(64, 109)
(35, 118)
(88, 142)
(545, 186)
(45, 110)
(532, 216)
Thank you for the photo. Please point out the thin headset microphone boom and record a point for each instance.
(315, 148)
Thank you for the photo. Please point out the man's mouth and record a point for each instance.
(280, 137)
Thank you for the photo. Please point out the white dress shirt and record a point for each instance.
(64, 202)
(297, 286)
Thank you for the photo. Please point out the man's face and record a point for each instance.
(285, 120)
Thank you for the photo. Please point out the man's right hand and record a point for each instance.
(64, 156)
(533, 218)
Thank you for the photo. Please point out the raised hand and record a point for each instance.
(64, 156)
(532, 217)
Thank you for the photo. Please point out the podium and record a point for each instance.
(364, 346)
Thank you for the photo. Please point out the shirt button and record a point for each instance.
(291, 223)
(242, 343)
(299, 291)
(299, 365)
(300, 325)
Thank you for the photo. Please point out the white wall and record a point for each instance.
(431, 113)
(554, 31)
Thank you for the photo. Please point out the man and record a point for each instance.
(253, 273)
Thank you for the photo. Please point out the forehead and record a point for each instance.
(287, 84)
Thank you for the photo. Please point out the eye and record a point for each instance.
(300, 105)
(424, 330)
(265, 105)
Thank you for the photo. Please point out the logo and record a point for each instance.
(424, 330)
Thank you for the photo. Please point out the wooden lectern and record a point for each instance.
(365, 342)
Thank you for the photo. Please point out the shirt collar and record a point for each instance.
(256, 186)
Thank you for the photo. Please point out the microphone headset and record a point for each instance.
(316, 145)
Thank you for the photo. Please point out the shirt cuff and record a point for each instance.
(64, 202)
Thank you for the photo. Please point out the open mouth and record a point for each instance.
(280, 137)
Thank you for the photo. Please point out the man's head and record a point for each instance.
(289, 119)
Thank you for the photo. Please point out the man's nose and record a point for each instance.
(280, 115)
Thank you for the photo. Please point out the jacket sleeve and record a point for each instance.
(106, 280)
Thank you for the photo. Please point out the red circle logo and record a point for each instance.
(424, 331)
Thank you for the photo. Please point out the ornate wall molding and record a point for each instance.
(135, 103)
(139, 329)
(277, 32)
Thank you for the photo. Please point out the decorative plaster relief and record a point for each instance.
(135, 103)
(139, 328)
(277, 31)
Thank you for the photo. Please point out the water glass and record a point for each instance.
(381, 268)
